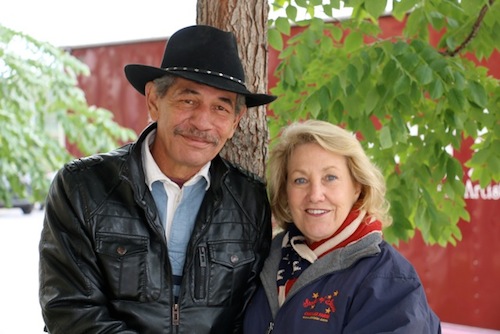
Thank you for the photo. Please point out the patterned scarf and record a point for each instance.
(297, 255)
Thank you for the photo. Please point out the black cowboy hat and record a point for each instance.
(202, 54)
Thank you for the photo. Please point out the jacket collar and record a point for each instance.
(337, 260)
(132, 170)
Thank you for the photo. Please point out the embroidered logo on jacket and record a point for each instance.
(319, 308)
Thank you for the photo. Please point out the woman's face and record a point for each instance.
(320, 191)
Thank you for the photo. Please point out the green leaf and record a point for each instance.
(436, 89)
(328, 10)
(41, 109)
(275, 40)
(337, 32)
(406, 99)
(335, 4)
(416, 23)
(291, 12)
(459, 80)
(454, 169)
(302, 3)
(353, 41)
(424, 74)
(402, 85)
(400, 8)
(283, 25)
(338, 111)
(403, 229)
(478, 94)
(400, 48)
(372, 99)
(289, 77)
(324, 97)
(313, 106)
(470, 128)
(385, 138)
(456, 99)
(375, 7)
(352, 74)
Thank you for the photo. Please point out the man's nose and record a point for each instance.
(201, 117)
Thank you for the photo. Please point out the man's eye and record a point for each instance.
(221, 108)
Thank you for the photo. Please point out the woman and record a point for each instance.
(330, 271)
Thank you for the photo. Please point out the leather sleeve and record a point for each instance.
(71, 290)
(262, 247)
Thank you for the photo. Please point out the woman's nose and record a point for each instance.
(316, 192)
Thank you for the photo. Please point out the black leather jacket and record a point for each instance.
(104, 266)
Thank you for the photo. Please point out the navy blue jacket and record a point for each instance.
(366, 287)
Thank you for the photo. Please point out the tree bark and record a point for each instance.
(248, 21)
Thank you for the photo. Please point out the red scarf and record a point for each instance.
(297, 255)
(364, 228)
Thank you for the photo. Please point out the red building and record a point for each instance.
(460, 280)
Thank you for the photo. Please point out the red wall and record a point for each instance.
(108, 88)
(460, 281)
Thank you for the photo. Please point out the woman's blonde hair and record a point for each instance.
(333, 139)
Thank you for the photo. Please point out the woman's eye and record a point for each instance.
(299, 180)
(330, 177)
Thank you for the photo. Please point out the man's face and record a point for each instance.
(194, 123)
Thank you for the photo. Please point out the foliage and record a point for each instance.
(40, 107)
(411, 99)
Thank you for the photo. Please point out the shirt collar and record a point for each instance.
(153, 173)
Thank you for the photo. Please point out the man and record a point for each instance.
(161, 235)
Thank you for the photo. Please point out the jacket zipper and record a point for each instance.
(200, 280)
(175, 315)
(270, 328)
(201, 277)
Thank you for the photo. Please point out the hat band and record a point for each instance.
(197, 70)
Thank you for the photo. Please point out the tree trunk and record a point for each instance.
(248, 20)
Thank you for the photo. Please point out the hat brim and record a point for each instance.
(138, 75)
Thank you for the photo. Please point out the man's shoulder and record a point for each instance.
(80, 164)
(96, 160)
(239, 171)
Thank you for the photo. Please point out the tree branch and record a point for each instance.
(473, 33)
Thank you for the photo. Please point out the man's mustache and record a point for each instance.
(197, 134)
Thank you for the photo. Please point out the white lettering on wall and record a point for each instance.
(474, 191)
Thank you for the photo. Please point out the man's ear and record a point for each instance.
(238, 118)
(152, 101)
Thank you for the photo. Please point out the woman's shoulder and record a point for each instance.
(391, 263)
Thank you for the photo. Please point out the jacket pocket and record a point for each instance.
(229, 268)
(124, 262)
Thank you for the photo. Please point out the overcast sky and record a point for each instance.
(90, 22)
(74, 23)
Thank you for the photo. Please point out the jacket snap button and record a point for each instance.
(121, 250)
(234, 258)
